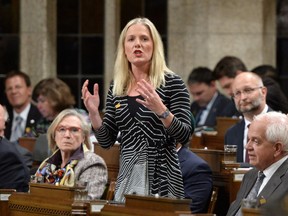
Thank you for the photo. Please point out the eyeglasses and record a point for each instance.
(72, 130)
(246, 91)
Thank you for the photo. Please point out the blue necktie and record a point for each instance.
(199, 114)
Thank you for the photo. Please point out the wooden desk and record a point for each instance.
(148, 205)
(211, 156)
(223, 123)
(209, 141)
(46, 199)
(4, 196)
(251, 211)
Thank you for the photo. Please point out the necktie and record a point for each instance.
(198, 116)
(17, 130)
(246, 155)
(254, 191)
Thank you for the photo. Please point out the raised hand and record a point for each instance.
(91, 101)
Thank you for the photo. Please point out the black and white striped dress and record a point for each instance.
(148, 159)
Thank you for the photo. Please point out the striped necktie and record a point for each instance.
(18, 132)
(254, 191)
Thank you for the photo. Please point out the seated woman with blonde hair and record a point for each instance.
(72, 161)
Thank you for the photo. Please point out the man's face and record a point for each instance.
(226, 84)
(261, 152)
(202, 93)
(17, 92)
(249, 95)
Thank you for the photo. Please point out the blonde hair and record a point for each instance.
(122, 67)
(86, 129)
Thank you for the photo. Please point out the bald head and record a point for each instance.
(247, 78)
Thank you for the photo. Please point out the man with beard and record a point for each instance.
(249, 95)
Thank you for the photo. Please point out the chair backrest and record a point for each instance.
(111, 190)
(213, 200)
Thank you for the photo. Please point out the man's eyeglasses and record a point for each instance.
(246, 91)
(72, 130)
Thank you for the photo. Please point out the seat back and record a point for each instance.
(111, 190)
(108, 194)
(213, 200)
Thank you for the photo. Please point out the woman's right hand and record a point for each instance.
(91, 101)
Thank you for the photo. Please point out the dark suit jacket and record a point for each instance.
(218, 109)
(197, 179)
(13, 172)
(33, 114)
(235, 136)
(275, 188)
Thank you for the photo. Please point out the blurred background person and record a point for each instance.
(276, 99)
(208, 103)
(72, 161)
(52, 95)
(14, 173)
(226, 70)
(266, 71)
(24, 114)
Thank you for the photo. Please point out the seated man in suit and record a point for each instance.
(208, 102)
(14, 174)
(197, 179)
(267, 148)
(25, 154)
(249, 95)
(24, 115)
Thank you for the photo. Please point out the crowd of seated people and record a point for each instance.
(53, 113)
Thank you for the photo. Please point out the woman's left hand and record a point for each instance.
(151, 99)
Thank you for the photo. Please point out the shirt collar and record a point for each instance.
(23, 114)
(209, 105)
(273, 167)
(56, 157)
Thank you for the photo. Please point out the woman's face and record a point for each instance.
(45, 108)
(138, 45)
(69, 134)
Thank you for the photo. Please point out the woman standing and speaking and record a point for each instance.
(149, 105)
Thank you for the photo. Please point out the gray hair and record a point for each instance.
(276, 127)
(86, 128)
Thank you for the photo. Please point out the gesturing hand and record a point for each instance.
(91, 101)
(151, 99)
